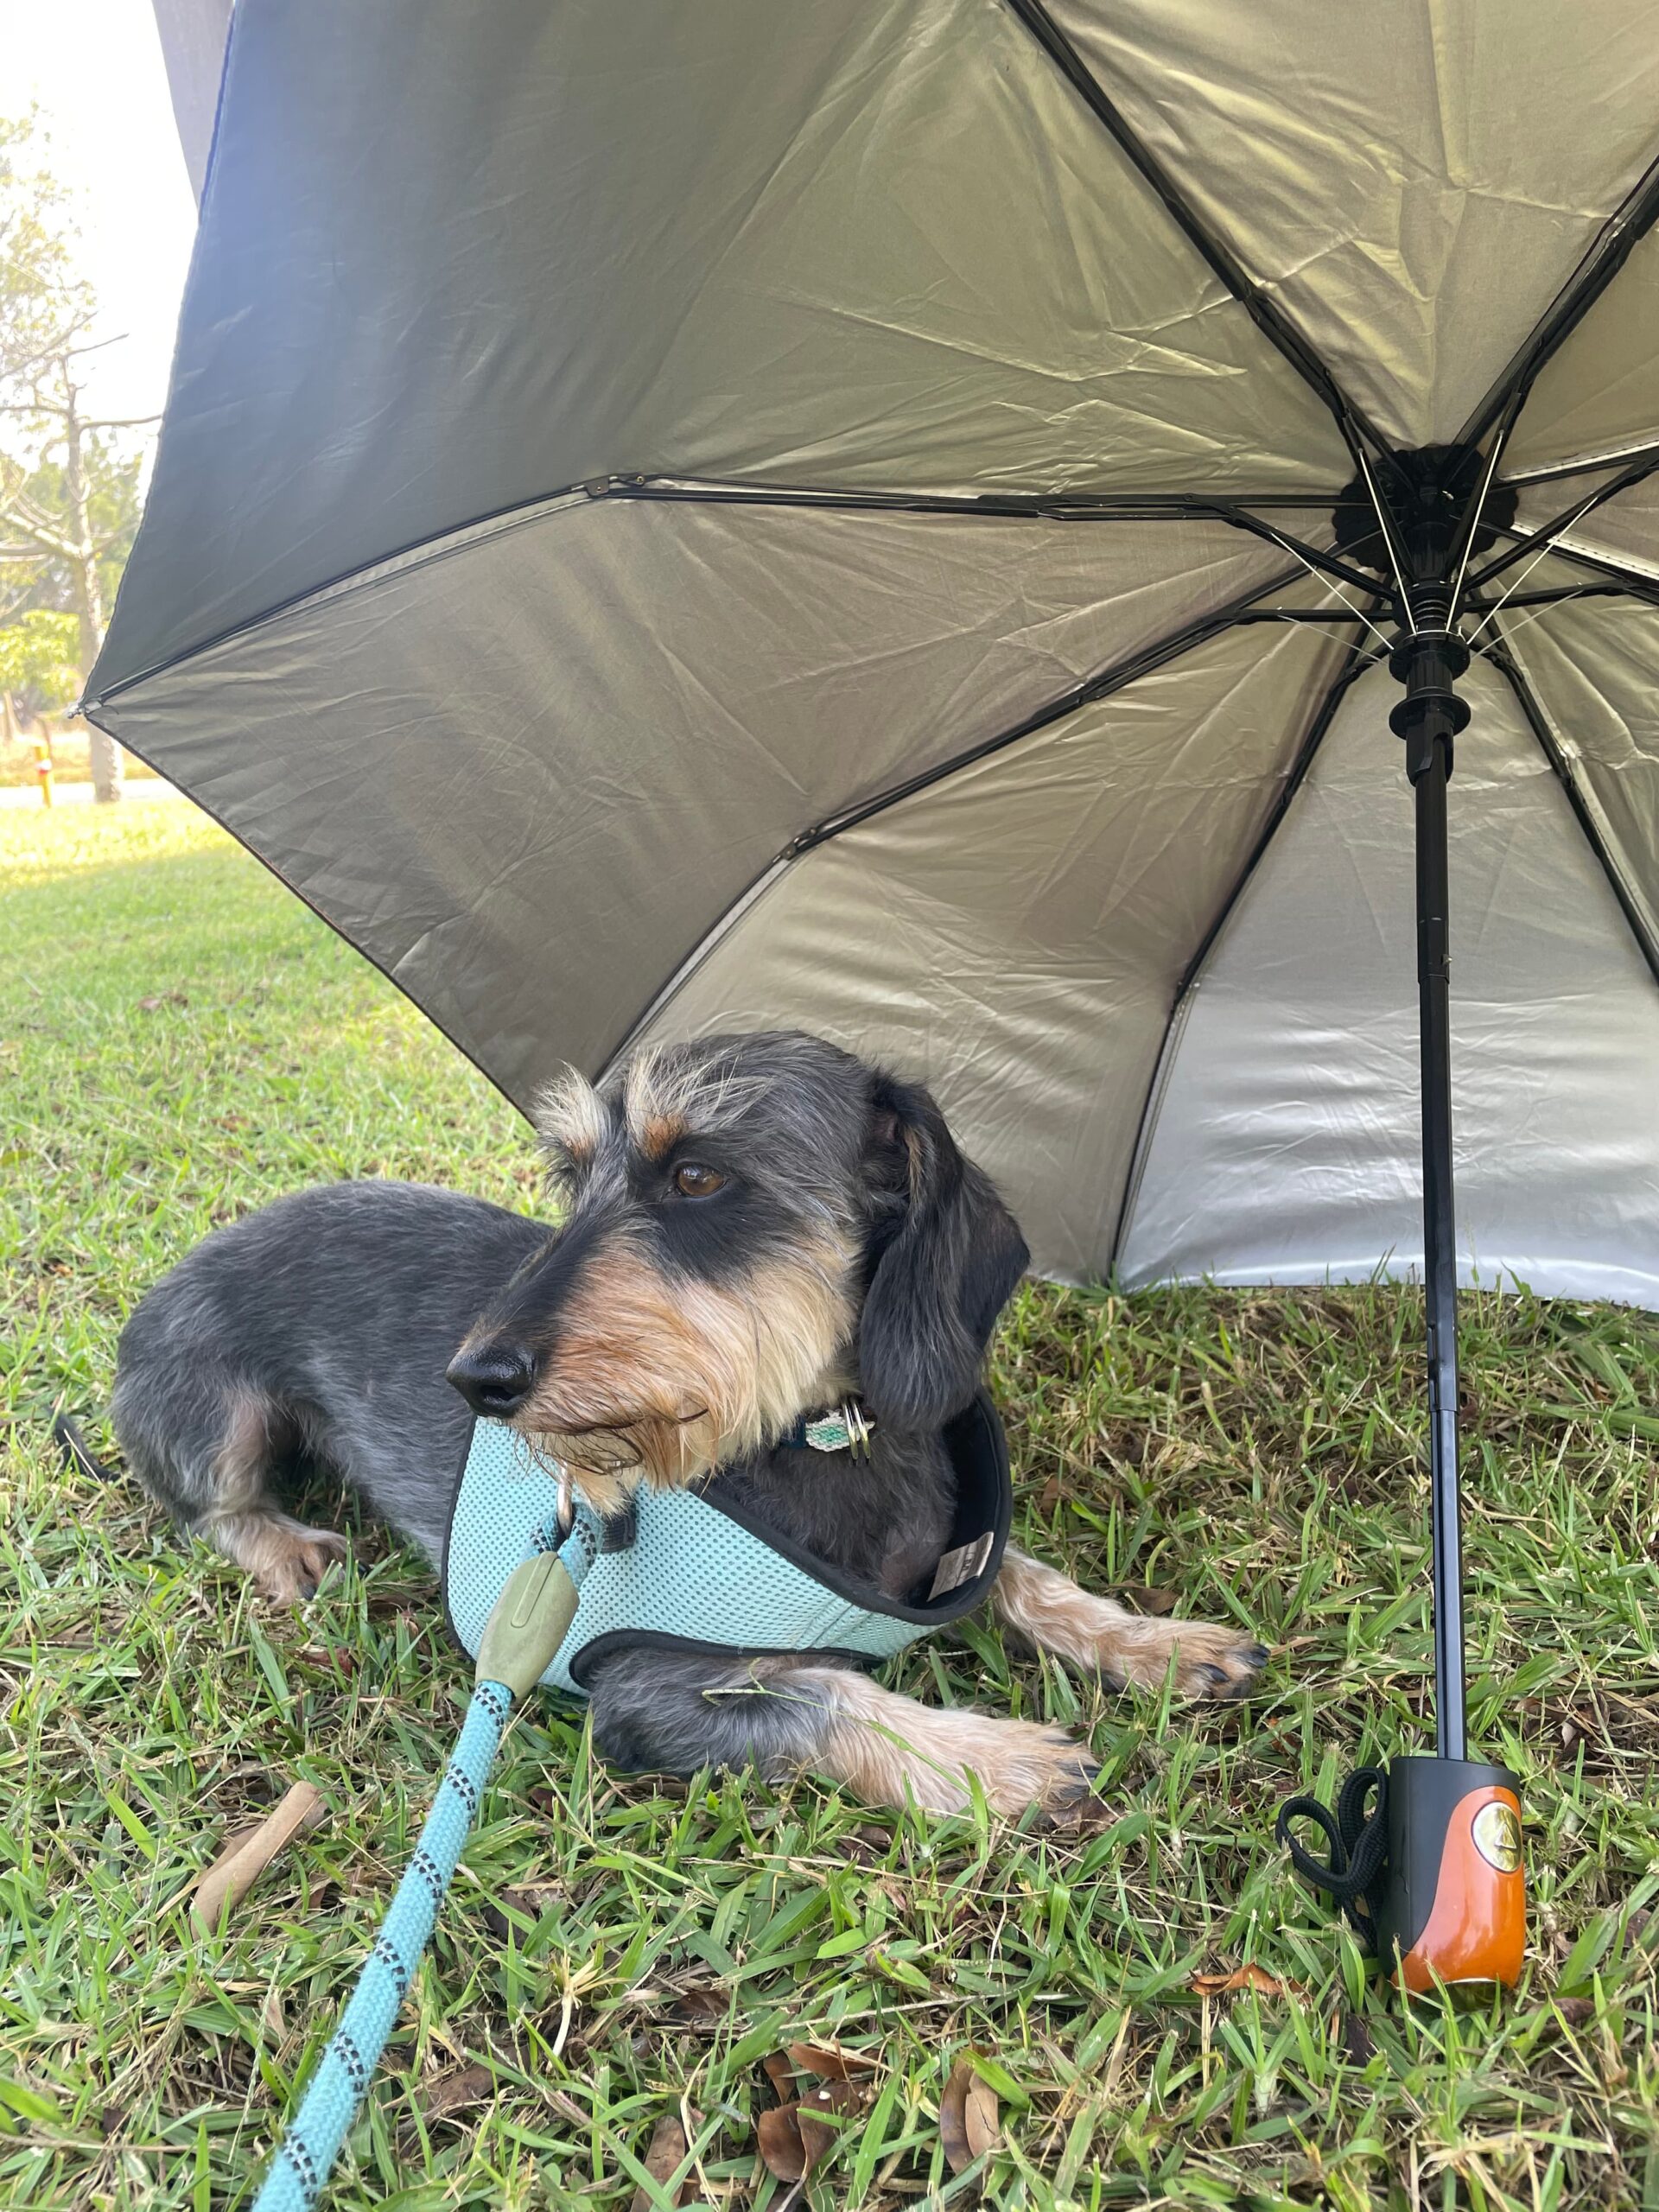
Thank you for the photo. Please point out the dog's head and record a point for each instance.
(753, 1227)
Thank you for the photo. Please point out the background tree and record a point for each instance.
(69, 488)
(39, 658)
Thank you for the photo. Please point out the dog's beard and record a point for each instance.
(654, 1383)
(607, 1461)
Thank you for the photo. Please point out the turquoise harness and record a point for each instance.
(701, 1573)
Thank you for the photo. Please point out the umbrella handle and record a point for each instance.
(1453, 1908)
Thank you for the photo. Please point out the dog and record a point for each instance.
(750, 1227)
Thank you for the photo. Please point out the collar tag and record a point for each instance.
(961, 1566)
(847, 1428)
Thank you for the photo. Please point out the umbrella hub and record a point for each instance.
(1428, 491)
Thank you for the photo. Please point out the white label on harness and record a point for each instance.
(961, 1566)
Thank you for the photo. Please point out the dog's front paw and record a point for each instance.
(1211, 1660)
(1017, 1764)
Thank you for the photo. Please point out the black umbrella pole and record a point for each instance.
(1439, 1244)
(1428, 662)
(1451, 1904)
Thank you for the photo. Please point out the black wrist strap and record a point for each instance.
(1358, 1842)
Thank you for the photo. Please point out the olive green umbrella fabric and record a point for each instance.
(672, 518)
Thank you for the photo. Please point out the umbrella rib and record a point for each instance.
(1324, 716)
(1102, 685)
(1628, 580)
(1559, 595)
(1117, 677)
(1623, 231)
(1061, 506)
(1532, 712)
(1041, 506)
(1253, 297)
(1559, 469)
(1150, 507)
(1469, 527)
(1546, 533)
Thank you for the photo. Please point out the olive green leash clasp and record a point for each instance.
(531, 1619)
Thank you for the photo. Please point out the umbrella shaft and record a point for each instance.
(1439, 1242)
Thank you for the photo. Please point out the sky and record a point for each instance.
(95, 68)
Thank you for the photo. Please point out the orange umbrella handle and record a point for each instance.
(1455, 1907)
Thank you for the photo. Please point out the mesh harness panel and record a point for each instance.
(701, 1573)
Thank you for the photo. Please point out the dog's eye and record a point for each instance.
(694, 1182)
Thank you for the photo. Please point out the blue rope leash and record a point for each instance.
(527, 1627)
(307, 2150)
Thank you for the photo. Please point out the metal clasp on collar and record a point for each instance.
(858, 1429)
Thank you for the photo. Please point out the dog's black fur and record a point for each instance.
(845, 1234)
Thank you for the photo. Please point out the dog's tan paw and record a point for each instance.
(1016, 1763)
(1212, 1659)
(286, 1559)
(1041, 1607)
(1030, 1765)
(313, 1554)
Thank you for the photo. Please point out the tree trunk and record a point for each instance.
(108, 768)
(107, 763)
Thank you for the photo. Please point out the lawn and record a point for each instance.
(179, 1042)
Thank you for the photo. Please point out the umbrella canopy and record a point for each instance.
(665, 524)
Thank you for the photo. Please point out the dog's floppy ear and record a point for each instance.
(942, 1274)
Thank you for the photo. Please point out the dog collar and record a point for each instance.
(845, 1428)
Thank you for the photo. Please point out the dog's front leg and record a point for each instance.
(1096, 1636)
(676, 1715)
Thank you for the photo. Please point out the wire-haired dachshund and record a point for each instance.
(751, 1228)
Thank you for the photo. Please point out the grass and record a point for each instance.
(180, 1041)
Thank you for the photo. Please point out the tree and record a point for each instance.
(68, 499)
(38, 657)
(43, 303)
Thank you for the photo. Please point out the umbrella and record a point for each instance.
(913, 520)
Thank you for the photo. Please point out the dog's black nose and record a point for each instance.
(494, 1379)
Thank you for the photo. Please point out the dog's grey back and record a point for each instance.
(341, 1306)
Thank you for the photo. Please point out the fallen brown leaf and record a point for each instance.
(1051, 1497)
(779, 2133)
(1577, 2011)
(668, 2147)
(1356, 2039)
(817, 2132)
(163, 998)
(250, 1851)
(530, 1902)
(1147, 1599)
(967, 2116)
(781, 2075)
(454, 2091)
(1251, 1977)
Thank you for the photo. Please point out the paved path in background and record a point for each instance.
(139, 790)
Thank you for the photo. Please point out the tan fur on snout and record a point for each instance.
(685, 1375)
